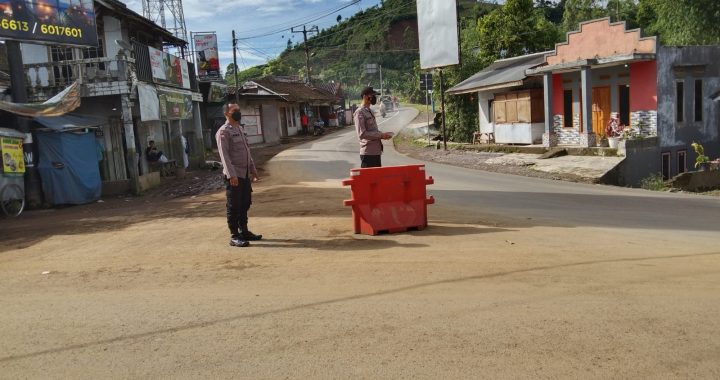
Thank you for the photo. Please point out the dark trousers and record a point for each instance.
(239, 199)
(370, 161)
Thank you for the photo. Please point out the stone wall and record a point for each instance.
(567, 136)
(644, 123)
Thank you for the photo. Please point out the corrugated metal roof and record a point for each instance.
(509, 72)
(292, 91)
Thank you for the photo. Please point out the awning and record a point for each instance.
(70, 121)
(500, 74)
(7, 132)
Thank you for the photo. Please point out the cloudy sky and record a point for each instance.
(262, 26)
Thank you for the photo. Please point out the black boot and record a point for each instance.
(249, 236)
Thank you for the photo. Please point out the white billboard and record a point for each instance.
(438, 33)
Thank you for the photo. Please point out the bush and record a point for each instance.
(654, 182)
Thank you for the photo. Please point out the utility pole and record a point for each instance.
(381, 82)
(237, 87)
(442, 106)
(305, 32)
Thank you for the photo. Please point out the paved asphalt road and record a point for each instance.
(494, 198)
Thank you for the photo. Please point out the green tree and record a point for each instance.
(553, 10)
(229, 73)
(681, 22)
(623, 10)
(514, 29)
(577, 11)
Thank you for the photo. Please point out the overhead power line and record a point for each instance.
(296, 22)
(301, 23)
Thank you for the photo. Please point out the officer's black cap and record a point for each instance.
(368, 91)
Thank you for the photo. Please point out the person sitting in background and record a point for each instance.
(318, 127)
(153, 154)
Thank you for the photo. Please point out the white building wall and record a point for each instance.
(519, 133)
(112, 32)
(485, 117)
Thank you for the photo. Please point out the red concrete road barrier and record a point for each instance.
(388, 199)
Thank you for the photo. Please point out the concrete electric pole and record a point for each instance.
(305, 32)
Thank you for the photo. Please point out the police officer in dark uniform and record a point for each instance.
(367, 130)
(239, 171)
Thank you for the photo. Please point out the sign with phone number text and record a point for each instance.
(49, 21)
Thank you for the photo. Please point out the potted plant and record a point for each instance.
(613, 131)
(701, 161)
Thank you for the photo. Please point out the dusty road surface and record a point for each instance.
(514, 278)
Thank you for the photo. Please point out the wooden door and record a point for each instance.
(283, 122)
(600, 109)
(114, 162)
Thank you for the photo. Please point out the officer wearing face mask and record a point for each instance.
(368, 133)
(239, 171)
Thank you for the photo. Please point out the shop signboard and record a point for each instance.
(12, 155)
(217, 93)
(206, 55)
(174, 105)
(168, 69)
(62, 22)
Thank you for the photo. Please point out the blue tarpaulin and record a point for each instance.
(68, 167)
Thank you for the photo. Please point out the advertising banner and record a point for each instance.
(168, 69)
(206, 55)
(438, 33)
(63, 22)
(217, 93)
(149, 103)
(175, 105)
(12, 155)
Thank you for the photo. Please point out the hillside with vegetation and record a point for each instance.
(387, 35)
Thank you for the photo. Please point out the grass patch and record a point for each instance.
(654, 182)
(419, 107)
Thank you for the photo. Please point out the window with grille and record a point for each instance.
(95, 52)
(63, 74)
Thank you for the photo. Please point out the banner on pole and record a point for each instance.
(438, 33)
(206, 55)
